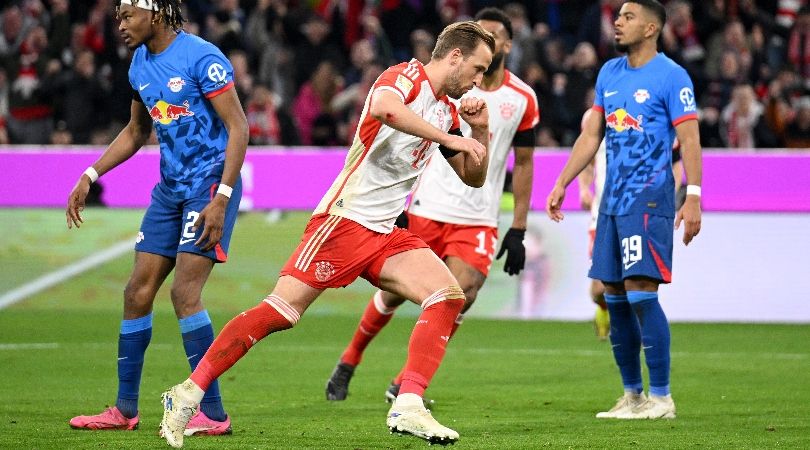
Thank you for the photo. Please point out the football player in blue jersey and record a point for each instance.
(183, 86)
(644, 101)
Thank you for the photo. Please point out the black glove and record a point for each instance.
(516, 252)
(402, 220)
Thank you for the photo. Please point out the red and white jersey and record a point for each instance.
(441, 195)
(383, 163)
(599, 165)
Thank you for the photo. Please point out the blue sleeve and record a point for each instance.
(598, 99)
(213, 71)
(681, 103)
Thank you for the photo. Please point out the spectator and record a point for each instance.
(422, 43)
(314, 99)
(242, 75)
(797, 133)
(268, 124)
(680, 35)
(314, 49)
(741, 121)
(82, 102)
(733, 39)
(596, 26)
(799, 45)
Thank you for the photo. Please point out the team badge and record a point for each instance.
(176, 84)
(324, 270)
(507, 110)
(641, 95)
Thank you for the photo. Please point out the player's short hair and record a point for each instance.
(465, 36)
(654, 7)
(166, 11)
(495, 15)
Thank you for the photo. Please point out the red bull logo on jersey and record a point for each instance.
(166, 113)
(621, 121)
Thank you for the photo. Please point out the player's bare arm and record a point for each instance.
(389, 109)
(585, 148)
(467, 167)
(212, 217)
(689, 213)
(522, 177)
(584, 181)
(126, 144)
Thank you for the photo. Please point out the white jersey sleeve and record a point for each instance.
(383, 163)
(440, 195)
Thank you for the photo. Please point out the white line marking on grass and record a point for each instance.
(51, 279)
(480, 350)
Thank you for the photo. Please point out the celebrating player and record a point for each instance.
(645, 99)
(351, 234)
(457, 221)
(184, 85)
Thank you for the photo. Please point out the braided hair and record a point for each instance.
(168, 12)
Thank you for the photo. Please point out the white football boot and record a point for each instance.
(412, 418)
(623, 406)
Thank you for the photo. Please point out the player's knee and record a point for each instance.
(137, 297)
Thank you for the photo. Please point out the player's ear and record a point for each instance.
(507, 46)
(456, 56)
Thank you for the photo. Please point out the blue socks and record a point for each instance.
(198, 334)
(132, 342)
(655, 338)
(625, 336)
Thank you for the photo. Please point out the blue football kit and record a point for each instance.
(641, 106)
(176, 86)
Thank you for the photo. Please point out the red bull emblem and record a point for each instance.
(165, 113)
(620, 121)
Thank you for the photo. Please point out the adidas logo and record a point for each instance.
(339, 203)
(416, 203)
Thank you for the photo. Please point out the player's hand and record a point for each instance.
(474, 111)
(585, 198)
(76, 201)
(476, 150)
(402, 220)
(515, 251)
(690, 214)
(212, 218)
(554, 202)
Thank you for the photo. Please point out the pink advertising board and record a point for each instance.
(296, 178)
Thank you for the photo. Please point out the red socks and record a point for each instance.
(376, 316)
(240, 334)
(429, 339)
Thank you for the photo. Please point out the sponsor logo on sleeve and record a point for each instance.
(404, 84)
(688, 99)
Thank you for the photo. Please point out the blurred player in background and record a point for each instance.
(184, 86)
(460, 223)
(644, 99)
(351, 234)
(594, 176)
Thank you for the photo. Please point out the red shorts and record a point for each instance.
(335, 251)
(473, 244)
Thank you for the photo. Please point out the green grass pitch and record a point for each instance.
(503, 385)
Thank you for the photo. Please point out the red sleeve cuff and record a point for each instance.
(684, 118)
(598, 108)
(213, 94)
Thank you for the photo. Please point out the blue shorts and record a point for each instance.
(166, 226)
(632, 245)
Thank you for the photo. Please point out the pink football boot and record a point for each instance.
(110, 419)
(200, 424)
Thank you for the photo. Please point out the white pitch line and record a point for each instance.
(51, 279)
(479, 350)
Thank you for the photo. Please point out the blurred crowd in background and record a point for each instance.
(303, 67)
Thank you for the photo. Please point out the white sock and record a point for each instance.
(409, 401)
(189, 391)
